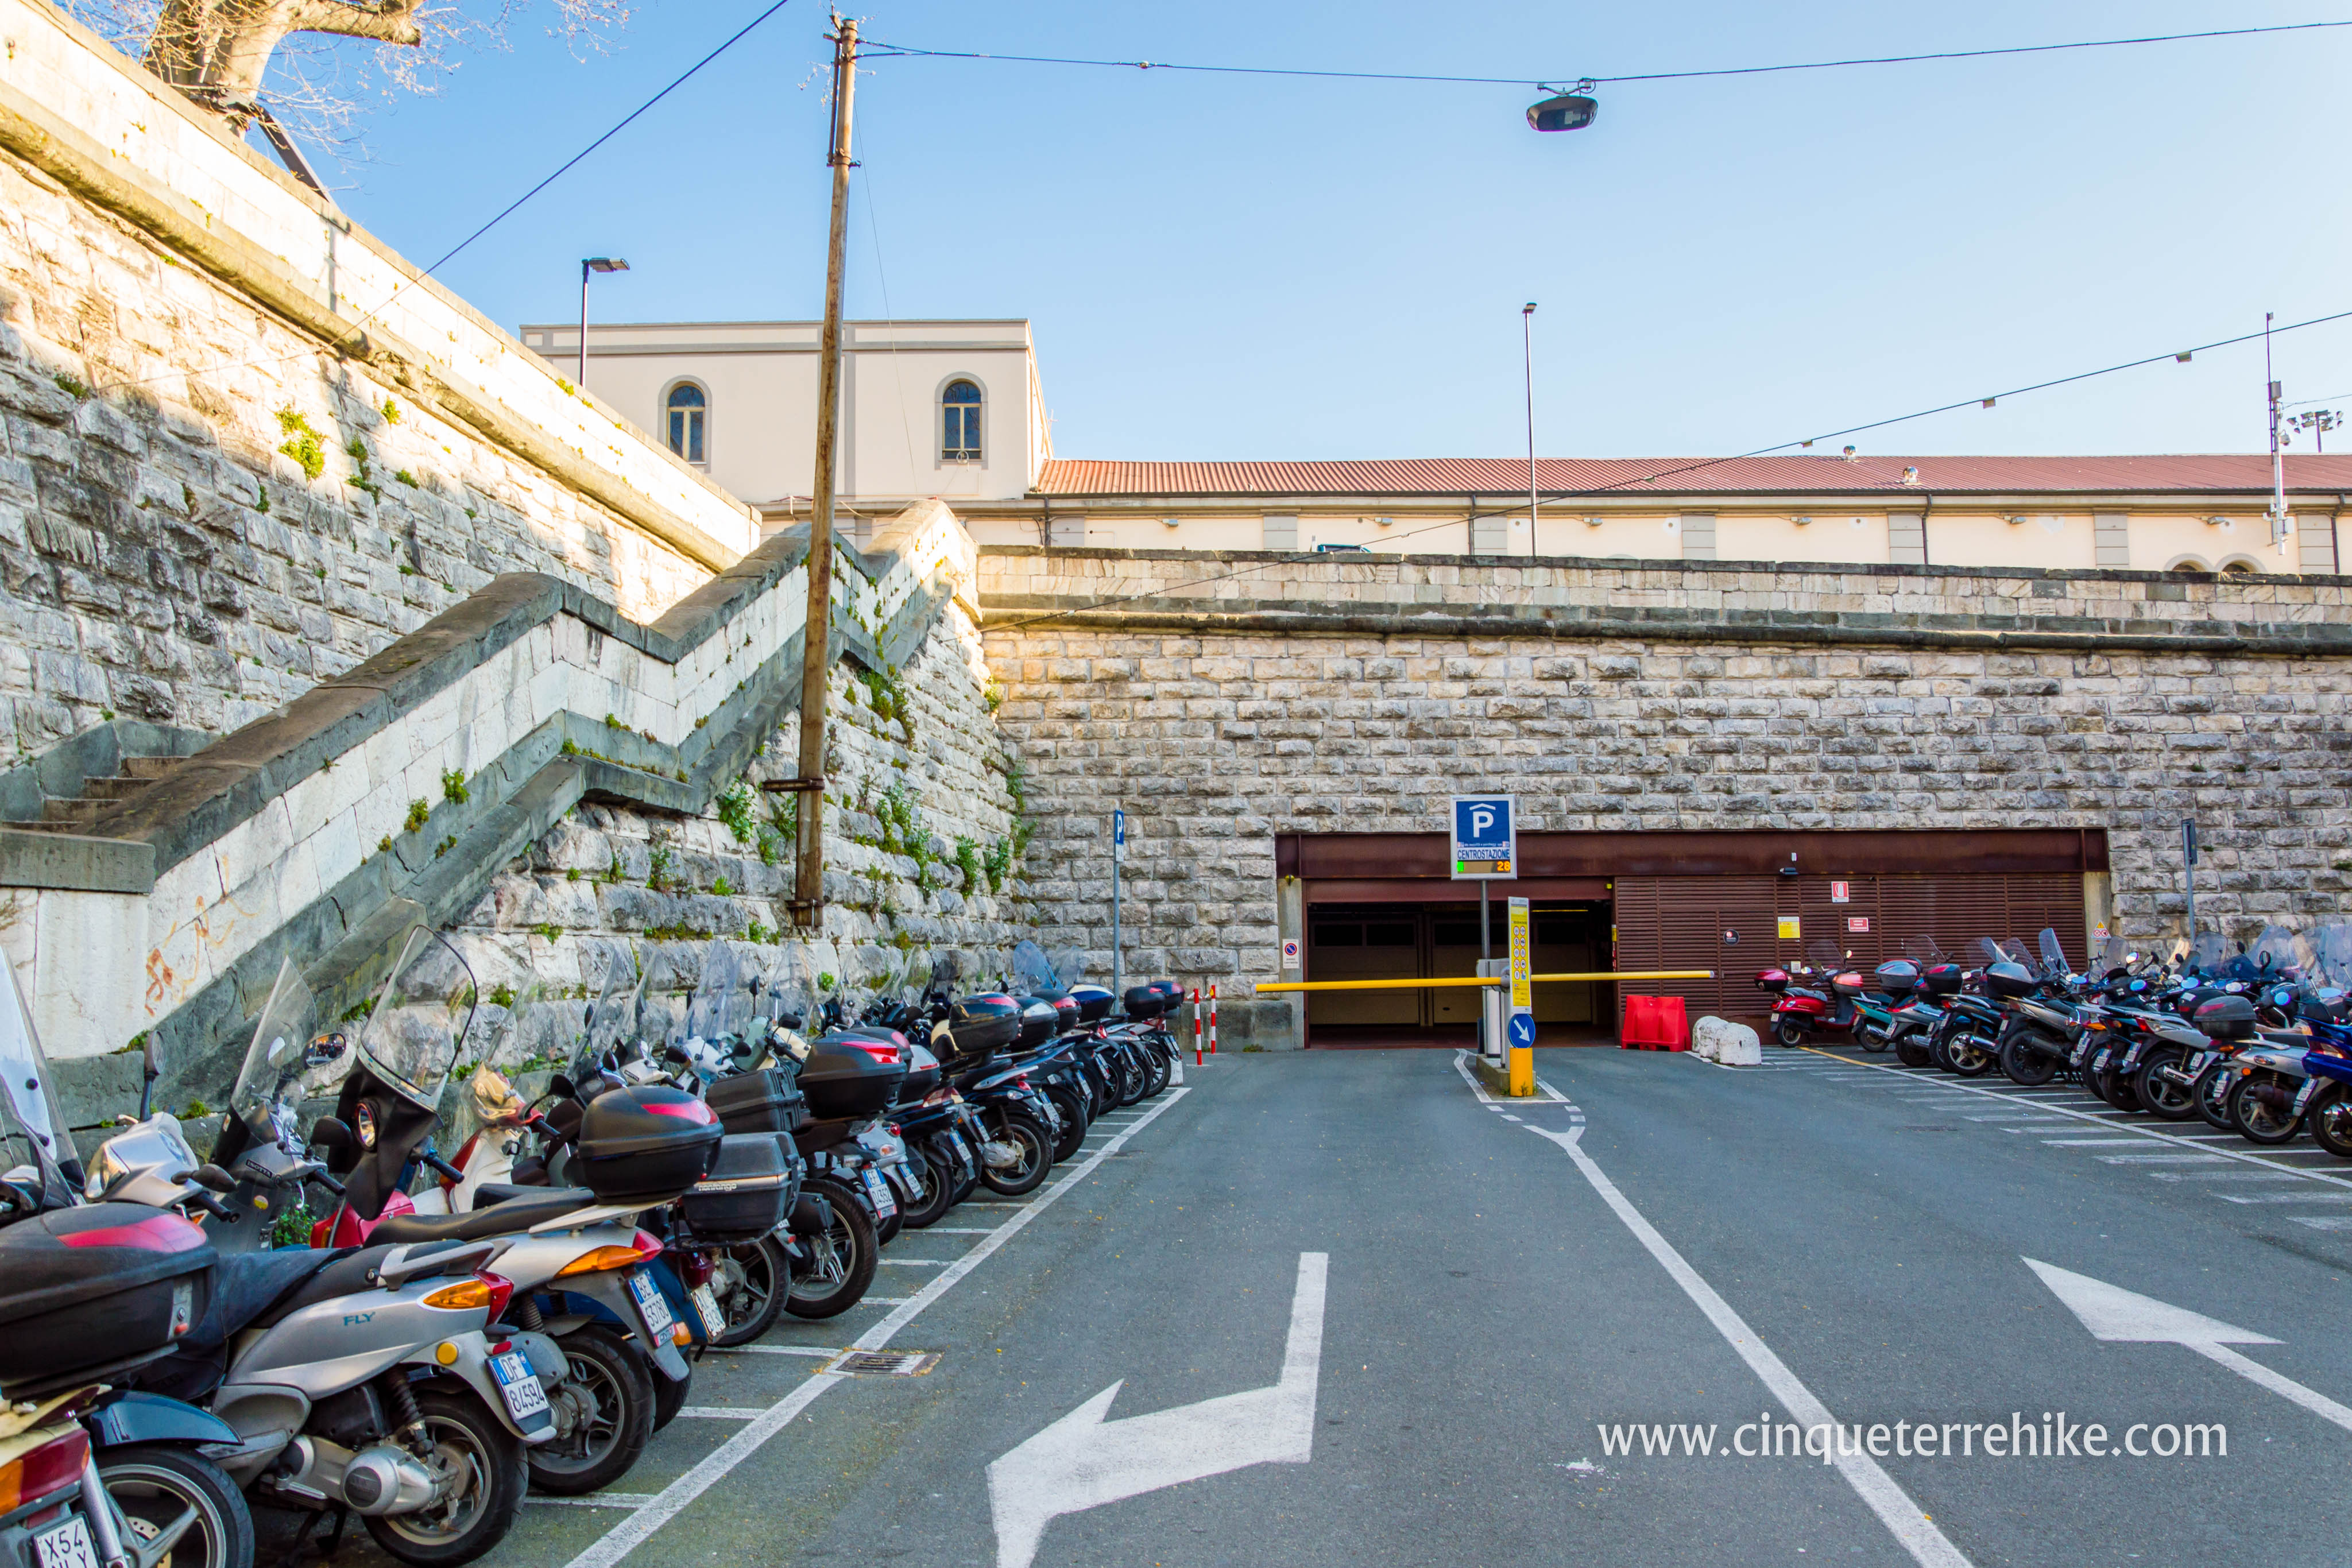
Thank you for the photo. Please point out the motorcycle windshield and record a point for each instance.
(1990, 951)
(1069, 967)
(33, 1130)
(947, 972)
(2334, 944)
(1825, 954)
(2053, 957)
(420, 1018)
(2273, 951)
(1923, 951)
(613, 1013)
(288, 1062)
(791, 988)
(720, 1003)
(2208, 951)
(2114, 954)
(1033, 972)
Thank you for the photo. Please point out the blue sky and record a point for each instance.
(1230, 267)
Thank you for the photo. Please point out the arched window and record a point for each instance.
(682, 413)
(2189, 566)
(959, 423)
(2240, 565)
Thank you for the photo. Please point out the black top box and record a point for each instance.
(645, 1144)
(107, 1285)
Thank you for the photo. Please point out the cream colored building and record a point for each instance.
(956, 410)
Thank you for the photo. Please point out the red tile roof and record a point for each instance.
(1500, 476)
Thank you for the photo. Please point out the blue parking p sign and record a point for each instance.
(1486, 838)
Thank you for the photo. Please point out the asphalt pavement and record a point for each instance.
(1355, 1313)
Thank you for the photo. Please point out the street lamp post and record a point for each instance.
(591, 265)
(1527, 344)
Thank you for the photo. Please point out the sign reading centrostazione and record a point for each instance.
(1485, 838)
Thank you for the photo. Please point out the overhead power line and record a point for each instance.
(2179, 355)
(504, 213)
(879, 50)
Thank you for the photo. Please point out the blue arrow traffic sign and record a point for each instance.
(1522, 1029)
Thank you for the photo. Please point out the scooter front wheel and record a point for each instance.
(1788, 1034)
(750, 1284)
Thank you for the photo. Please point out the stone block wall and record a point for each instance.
(920, 774)
(244, 445)
(1221, 726)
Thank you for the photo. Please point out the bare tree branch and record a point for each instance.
(317, 61)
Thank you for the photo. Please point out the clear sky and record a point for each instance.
(1235, 268)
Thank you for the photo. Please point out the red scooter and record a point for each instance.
(1807, 1003)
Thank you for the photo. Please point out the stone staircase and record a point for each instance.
(80, 814)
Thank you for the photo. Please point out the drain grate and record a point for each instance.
(884, 1363)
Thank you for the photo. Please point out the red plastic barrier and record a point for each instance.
(1655, 1023)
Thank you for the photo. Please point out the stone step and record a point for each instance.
(151, 768)
(72, 815)
(112, 789)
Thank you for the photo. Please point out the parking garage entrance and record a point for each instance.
(1382, 906)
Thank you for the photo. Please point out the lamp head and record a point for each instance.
(605, 263)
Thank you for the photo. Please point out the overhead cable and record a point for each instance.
(879, 50)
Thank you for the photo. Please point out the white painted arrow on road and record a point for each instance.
(2117, 1315)
(1085, 1459)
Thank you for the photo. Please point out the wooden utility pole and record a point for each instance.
(817, 660)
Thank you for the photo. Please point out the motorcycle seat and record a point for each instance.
(344, 1274)
(498, 1220)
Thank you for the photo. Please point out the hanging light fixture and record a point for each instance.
(1563, 110)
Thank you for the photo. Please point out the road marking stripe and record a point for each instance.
(1896, 1509)
(2150, 1134)
(915, 1263)
(666, 1504)
(2214, 1158)
(954, 1231)
(2090, 1142)
(602, 1500)
(715, 1413)
(771, 1350)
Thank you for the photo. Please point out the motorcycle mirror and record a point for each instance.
(213, 1178)
(325, 1049)
(561, 1087)
(329, 1132)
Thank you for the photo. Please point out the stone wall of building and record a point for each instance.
(243, 445)
(1323, 697)
(919, 849)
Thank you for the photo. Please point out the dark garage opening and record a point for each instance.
(1421, 941)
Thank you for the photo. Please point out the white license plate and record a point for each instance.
(714, 1321)
(884, 1205)
(650, 1303)
(519, 1385)
(67, 1546)
(2197, 1063)
(2101, 1059)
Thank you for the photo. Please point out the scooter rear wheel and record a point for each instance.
(2329, 1117)
(1788, 1034)
(472, 1519)
(610, 1394)
(756, 1278)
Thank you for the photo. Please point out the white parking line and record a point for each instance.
(666, 1504)
(916, 1262)
(1904, 1519)
(715, 1413)
(771, 1350)
(2150, 1134)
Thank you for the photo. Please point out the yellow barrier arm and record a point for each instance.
(1494, 980)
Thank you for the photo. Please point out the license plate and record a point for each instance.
(2100, 1060)
(67, 1546)
(518, 1384)
(884, 1205)
(650, 1303)
(714, 1321)
(2197, 1063)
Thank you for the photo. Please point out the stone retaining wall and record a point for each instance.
(243, 444)
(1666, 696)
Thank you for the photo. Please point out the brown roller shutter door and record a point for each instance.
(1690, 922)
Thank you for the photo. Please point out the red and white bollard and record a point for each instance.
(1196, 1026)
(1212, 1020)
